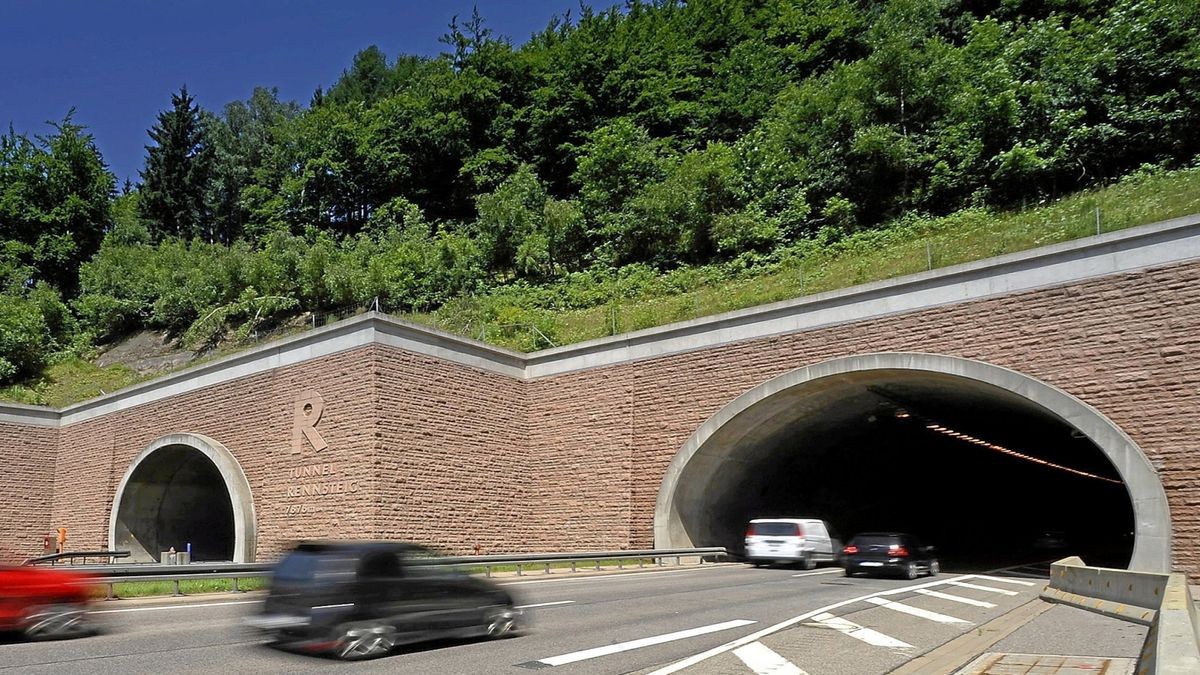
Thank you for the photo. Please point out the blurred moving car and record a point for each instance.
(807, 541)
(888, 553)
(357, 600)
(44, 604)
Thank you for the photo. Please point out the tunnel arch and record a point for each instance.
(704, 454)
(146, 499)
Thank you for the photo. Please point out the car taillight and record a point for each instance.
(750, 530)
(850, 550)
(897, 551)
(799, 531)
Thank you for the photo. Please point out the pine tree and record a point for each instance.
(178, 170)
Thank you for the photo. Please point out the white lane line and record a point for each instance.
(617, 575)
(915, 611)
(955, 598)
(765, 661)
(813, 574)
(187, 606)
(871, 637)
(982, 588)
(697, 658)
(644, 642)
(1004, 580)
(545, 604)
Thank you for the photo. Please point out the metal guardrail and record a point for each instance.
(236, 571)
(72, 556)
(1161, 601)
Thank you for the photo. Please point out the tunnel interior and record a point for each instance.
(176, 496)
(977, 471)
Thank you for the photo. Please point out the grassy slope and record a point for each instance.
(903, 248)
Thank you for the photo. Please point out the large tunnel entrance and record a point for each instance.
(992, 467)
(183, 490)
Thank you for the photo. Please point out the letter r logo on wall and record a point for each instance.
(309, 406)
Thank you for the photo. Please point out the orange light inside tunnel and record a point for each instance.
(933, 426)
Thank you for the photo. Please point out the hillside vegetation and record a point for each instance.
(621, 169)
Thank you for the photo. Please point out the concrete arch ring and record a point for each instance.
(231, 473)
(1152, 517)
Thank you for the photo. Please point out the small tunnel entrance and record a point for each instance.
(985, 474)
(174, 497)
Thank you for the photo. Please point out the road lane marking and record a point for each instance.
(867, 635)
(955, 598)
(982, 588)
(186, 606)
(545, 604)
(1007, 581)
(813, 574)
(915, 611)
(596, 652)
(753, 637)
(765, 661)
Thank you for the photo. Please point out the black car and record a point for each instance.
(357, 600)
(888, 553)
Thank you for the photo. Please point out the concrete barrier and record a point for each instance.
(1161, 601)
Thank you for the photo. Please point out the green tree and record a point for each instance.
(175, 180)
(55, 200)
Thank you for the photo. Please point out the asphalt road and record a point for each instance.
(639, 622)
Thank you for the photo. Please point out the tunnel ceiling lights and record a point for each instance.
(903, 412)
(933, 426)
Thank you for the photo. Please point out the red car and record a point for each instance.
(44, 604)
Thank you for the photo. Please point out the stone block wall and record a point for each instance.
(26, 489)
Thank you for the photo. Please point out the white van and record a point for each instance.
(791, 540)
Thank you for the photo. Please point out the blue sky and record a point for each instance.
(117, 62)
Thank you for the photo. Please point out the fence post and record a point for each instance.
(928, 254)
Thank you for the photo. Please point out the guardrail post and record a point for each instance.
(641, 563)
(597, 564)
(520, 569)
(235, 586)
(487, 571)
(547, 568)
(678, 560)
(572, 566)
(110, 595)
(177, 591)
(620, 564)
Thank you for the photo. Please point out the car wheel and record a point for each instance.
(364, 641)
(807, 562)
(934, 568)
(847, 572)
(499, 622)
(910, 570)
(57, 622)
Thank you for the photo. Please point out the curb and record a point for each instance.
(960, 651)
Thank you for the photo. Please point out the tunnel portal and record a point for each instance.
(985, 474)
(174, 497)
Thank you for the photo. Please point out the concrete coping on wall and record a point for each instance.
(1162, 601)
(1163, 243)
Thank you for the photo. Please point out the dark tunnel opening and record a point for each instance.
(174, 498)
(986, 476)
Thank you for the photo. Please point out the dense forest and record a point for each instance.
(652, 136)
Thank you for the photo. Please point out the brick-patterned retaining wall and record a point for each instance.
(456, 455)
(26, 489)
